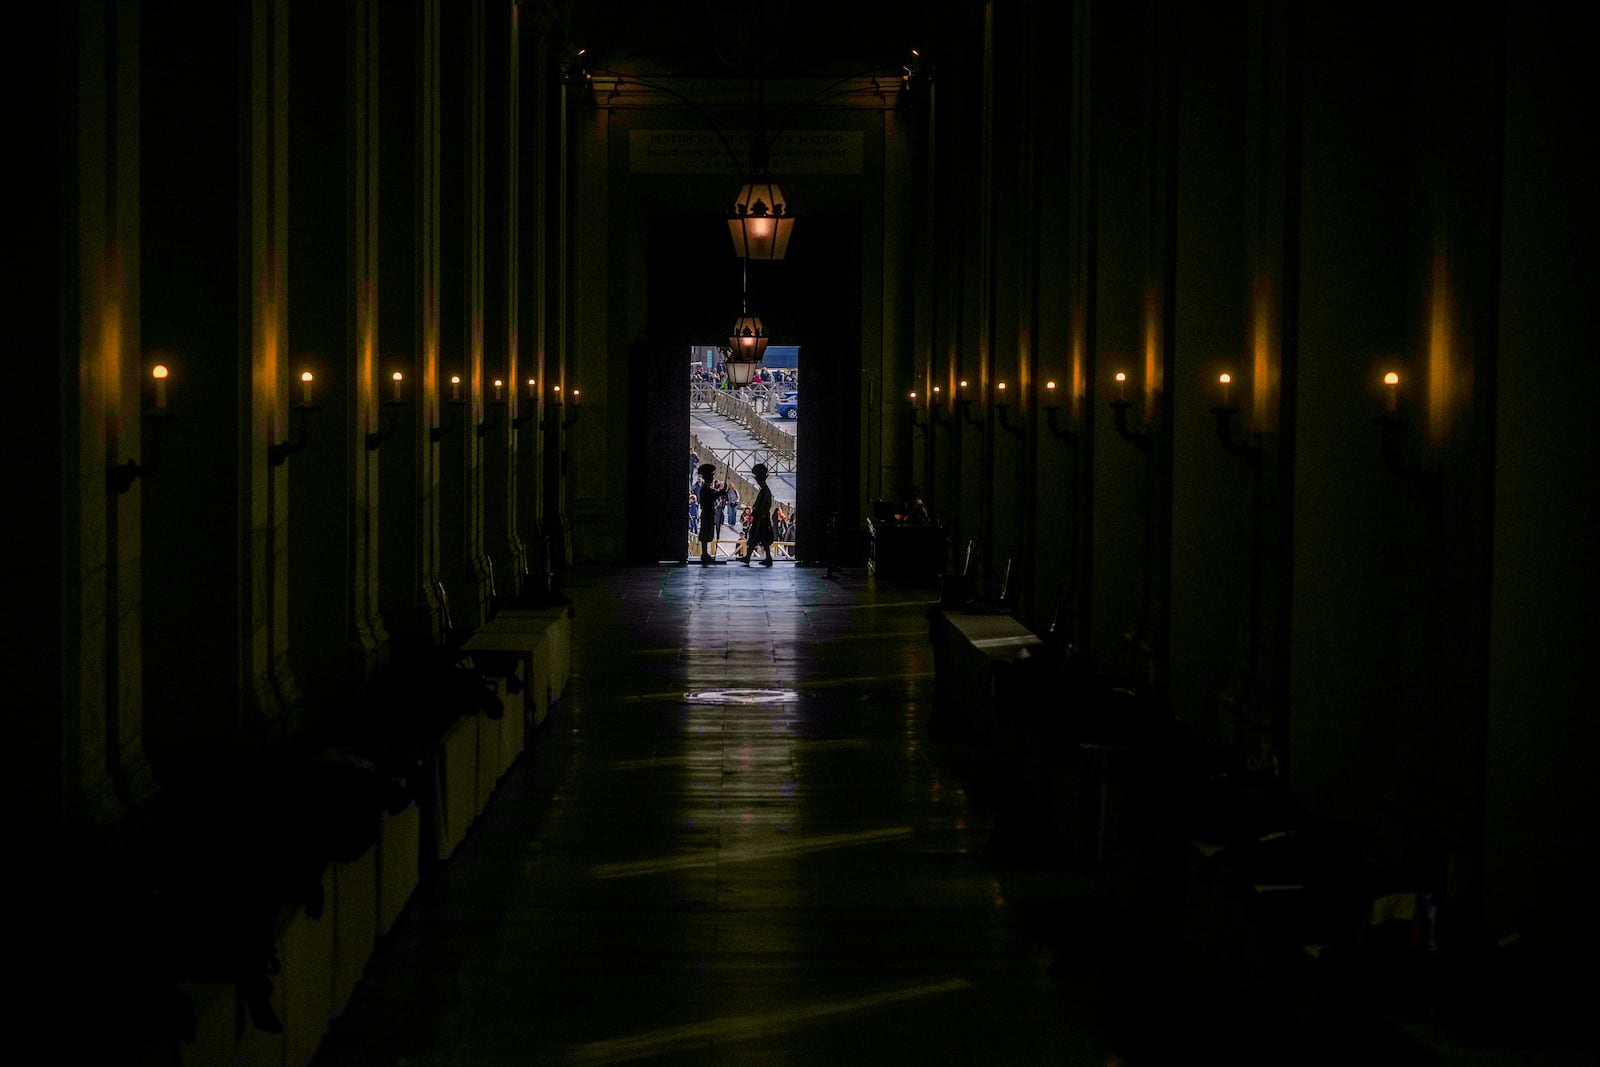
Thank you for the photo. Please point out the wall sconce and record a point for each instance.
(438, 432)
(1226, 414)
(964, 405)
(1139, 436)
(1396, 442)
(1003, 409)
(576, 407)
(941, 416)
(1052, 410)
(499, 399)
(377, 437)
(917, 424)
(527, 414)
(281, 451)
(119, 477)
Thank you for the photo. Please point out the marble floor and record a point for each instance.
(734, 842)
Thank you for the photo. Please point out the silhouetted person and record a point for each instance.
(760, 518)
(710, 499)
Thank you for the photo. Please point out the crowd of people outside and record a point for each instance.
(718, 376)
(715, 507)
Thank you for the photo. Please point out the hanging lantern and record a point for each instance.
(746, 345)
(760, 222)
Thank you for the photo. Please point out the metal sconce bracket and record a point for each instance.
(1051, 413)
(568, 421)
(1140, 436)
(1395, 443)
(375, 438)
(1003, 414)
(965, 406)
(1247, 450)
(438, 433)
(488, 424)
(281, 451)
(120, 477)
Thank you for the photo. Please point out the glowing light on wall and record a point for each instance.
(1151, 329)
(1441, 384)
(1263, 353)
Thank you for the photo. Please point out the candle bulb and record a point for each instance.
(1050, 393)
(913, 398)
(1391, 383)
(305, 387)
(499, 386)
(159, 373)
(577, 397)
(455, 387)
(559, 398)
(1226, 381)
(531, 383)
(397, 379)
(1122, 385)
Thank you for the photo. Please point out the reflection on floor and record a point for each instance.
(733, 842)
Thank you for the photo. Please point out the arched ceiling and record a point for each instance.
(720, 39)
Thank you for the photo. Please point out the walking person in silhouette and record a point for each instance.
(760, 518)
(710, 511)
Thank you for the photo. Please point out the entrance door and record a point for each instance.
(654, 506)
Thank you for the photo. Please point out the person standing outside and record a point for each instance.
(710, 500)
(760, 518)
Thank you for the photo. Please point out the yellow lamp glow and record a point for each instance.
(159, 373)
(1391, 382)
(760, 222)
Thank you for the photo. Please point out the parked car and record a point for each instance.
(788, 405)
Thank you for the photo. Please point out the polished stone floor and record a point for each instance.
(734, 842)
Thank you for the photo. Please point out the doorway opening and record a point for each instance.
(733, 429)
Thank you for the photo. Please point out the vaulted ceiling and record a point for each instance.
(778, 39)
